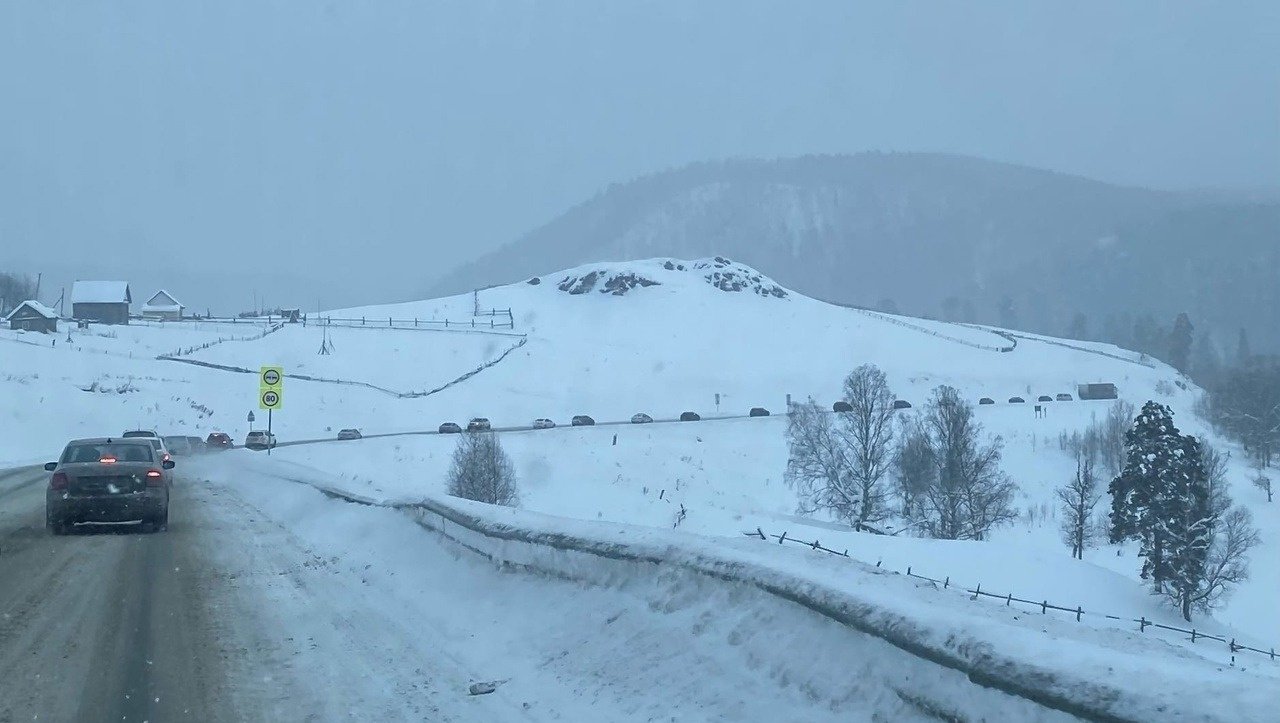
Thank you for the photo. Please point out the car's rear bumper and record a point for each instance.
(107, 508)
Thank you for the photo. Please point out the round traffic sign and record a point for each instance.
(271, 377)
(270, 399)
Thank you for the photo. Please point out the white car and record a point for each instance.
(543, 424)
(260, 439)
(641, 418)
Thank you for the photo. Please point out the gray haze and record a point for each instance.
(331, 153)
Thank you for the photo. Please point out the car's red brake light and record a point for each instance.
(107, 460)
(155, 478)
(59, 481)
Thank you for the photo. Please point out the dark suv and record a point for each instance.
(219, 440)
(108, 480)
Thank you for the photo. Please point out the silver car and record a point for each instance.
(543, 424)
(108, 480)
(641, 418)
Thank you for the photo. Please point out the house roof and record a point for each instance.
(35, 306)
(100, 292)
(162, 301)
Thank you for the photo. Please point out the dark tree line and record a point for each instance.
(15, 289)
(1245, 405)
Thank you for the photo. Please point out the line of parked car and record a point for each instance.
(843, 406)
(482, 424)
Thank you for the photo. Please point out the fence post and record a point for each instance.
(816, 546)
(1008, 600)
(783, 538)
(1193, 635)
(761, 533)
(908, 570)
(1079, 612)
(389, 321)
(1142, 624)
(946, 583)
(362, 321)
(1044, 607)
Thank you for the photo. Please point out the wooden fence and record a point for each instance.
(1045, 606)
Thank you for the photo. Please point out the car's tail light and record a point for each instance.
(155, 478)
(107, 460)
(59, 481)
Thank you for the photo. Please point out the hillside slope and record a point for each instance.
(920, 229)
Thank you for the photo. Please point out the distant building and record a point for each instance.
(102, 301)
(33, 316)
(1097, 391)
(163, 306)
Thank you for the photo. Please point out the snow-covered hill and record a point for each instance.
(660, 336)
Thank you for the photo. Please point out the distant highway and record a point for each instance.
(523, 428)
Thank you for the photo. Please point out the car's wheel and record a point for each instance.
(157, 523)
(57, 527)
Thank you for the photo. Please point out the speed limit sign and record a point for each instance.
(270, 399)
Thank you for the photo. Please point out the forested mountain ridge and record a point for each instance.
(939, 235)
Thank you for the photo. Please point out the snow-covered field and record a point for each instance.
(661, 348)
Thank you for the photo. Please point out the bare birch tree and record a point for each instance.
(1078, 498)
(838, 462)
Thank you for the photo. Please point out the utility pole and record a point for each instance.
(39, 276)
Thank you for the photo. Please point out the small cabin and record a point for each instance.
(33, 316)
(106, 302)
(163, 306)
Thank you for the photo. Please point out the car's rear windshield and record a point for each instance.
(139, 433)
(97, 451)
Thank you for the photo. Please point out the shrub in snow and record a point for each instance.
(482, 471)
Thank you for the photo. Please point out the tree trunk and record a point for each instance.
(1186, 608)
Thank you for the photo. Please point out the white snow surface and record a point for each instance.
(912, 640)
(662, 349)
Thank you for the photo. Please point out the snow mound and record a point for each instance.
(620, 279)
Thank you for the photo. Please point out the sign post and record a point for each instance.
(270, 396)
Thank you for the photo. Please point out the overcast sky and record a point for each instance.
(341, 152)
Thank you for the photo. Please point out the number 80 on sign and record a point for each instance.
(270, 399)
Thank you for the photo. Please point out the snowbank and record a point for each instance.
(1095, 674)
